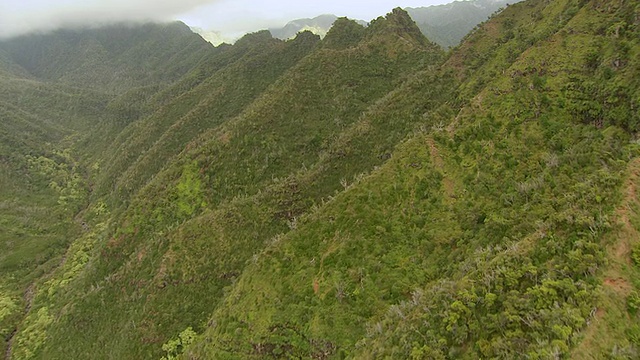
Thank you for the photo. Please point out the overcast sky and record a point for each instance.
(231, 18)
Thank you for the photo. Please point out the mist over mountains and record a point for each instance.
(319, 25)
(366, 194)
(41, 16)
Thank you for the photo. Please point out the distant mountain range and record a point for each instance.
(445, 25)
(319, 25)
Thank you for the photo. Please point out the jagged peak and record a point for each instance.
(398, 21)
(344, 33)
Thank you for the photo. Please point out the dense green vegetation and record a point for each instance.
(366, 195)
(45, 184)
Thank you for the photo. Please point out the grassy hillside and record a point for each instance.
(483, 236)
(231, 80)
(361, 196)
(41, 186)
(44, 183)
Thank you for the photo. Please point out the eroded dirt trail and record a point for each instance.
(615, 281)
(447, 183)
(621, 249)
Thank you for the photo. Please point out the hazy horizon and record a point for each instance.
(225, 19)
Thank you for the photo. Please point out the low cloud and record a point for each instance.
(19, 17)
(217, 20)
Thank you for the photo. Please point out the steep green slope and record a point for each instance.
(111, 59)
(484, 240)
(231, 80)
(43, 184)
(41, 187)
(101, 79)
(219, 201)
